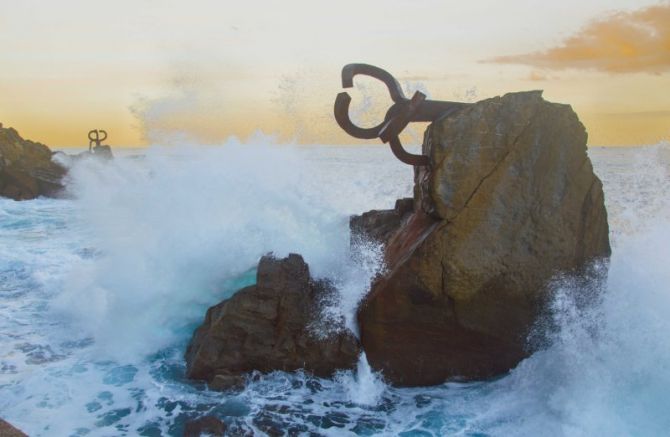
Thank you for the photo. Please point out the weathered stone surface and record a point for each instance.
(26, 168)
(511, 200)
(379, 225)
(207, 425)
(7, 430)
(265, 327)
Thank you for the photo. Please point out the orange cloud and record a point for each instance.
(536, 76)
(624, 42)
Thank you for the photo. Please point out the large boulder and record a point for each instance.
(509, 201)
(26, 168)
(270, 326)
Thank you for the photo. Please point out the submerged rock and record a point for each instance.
(207, 425)
(267, 327)
(510, 200)
(26, 168)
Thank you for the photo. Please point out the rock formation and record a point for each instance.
(7, 430)
(266, 327)
(26, 168)
(207, 425)
(378, 225)
(510, 200)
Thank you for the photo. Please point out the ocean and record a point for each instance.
(101, 291)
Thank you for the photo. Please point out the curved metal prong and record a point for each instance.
(93, 140)
(342, 102)
(105, 137)
(351, 70)
(406, 157)
(399, 121)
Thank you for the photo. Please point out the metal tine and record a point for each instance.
(342, 102)
(351, 70)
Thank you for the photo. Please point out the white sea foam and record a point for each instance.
(364, 386)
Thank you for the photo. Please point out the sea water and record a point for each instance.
(100, 293)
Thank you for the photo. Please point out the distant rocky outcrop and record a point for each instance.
(509, 201)
(267, 327)
(26, 168)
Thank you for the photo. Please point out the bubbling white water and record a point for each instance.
(363, 387)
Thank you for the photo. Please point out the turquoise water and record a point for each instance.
(100, 292)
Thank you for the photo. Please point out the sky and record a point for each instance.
(163, 71)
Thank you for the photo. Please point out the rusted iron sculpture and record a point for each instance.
(399, 115)
(94, 138)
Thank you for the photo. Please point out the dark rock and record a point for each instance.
(26, 168)
(207, 425)
(7, 430)
(379, 225)
(99, 152)
(267, 327)
(510, 201)
(269, 424)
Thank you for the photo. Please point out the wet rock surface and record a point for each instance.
(26, 168)
(268, 327)
(7, 430)
(509, 201)
(207, 425)
(378, 225)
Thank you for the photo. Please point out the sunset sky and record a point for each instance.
(158, 71)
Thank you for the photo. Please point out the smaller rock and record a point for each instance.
(270, 326)
(207, 425)
(268, 424)
(378, 225)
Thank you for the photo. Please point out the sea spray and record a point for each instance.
(352, 282)
(177, 230)
(364, 386)
(172, 227)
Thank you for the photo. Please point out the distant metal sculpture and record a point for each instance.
(95, 139)
(399, 115)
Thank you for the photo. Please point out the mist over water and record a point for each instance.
(100, 294)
